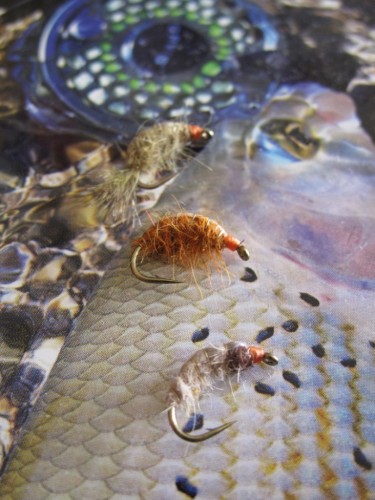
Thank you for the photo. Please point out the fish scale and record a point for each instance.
(118, 427)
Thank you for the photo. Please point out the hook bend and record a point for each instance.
(191, 438)
(158, 183)
(145, 277)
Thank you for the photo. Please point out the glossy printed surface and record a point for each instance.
(291, 172)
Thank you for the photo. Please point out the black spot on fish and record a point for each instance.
(290, 325)
(13, 261)
(292, 378)
(19, 324)
(249, 275)
(200, 335)
(56, 322)
(372, 344)
(265, 334)
(85, 283)
(309, 299)
(70, 266)
(264, 389)
(194, 423)
(349, 362)
(23, 383)
(184, 485)
(39, 291)
(53, 233)
(318, 350)
(361, 459)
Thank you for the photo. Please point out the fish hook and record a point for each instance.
(144, 277)
(188, 437)
(156, 184)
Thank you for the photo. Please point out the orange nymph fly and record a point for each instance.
(185, 239)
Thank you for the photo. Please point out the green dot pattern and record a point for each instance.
(110, 56)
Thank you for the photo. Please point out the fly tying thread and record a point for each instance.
(198, 374)
(189, 240)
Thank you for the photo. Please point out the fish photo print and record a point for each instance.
(187, 249)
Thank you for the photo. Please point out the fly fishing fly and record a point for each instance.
(192, 241)
(199, 373)
(152, 159)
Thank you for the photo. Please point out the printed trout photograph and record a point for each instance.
(187, 249)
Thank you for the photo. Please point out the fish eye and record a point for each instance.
(289, 137)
